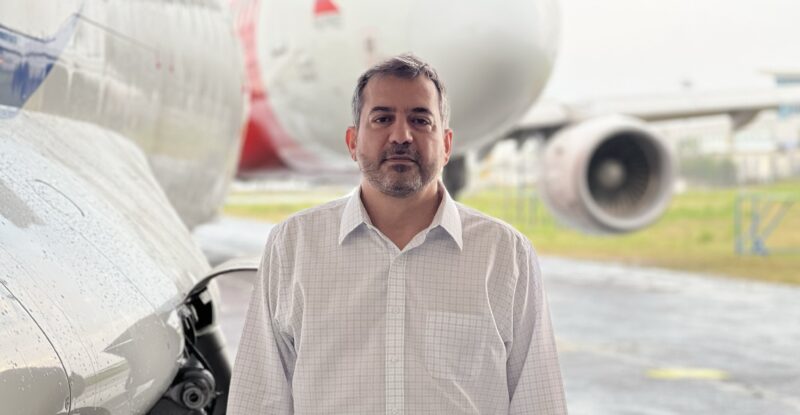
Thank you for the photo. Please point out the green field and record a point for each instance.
(696, 233)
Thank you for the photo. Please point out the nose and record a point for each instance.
(401, 132)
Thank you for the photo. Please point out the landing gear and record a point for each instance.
(201, 385)
(455, 175)
(192, 392)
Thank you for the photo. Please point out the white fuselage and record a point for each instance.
(119, 126)
(159, 73)
(494, 57)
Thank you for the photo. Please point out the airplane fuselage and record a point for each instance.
(166, 76)
(304, 58)
(119, 127)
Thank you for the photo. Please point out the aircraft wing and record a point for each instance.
(605, 170)
(742, 106)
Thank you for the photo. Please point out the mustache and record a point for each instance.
(400, 150)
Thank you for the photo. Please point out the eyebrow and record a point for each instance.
(415, 110)
(381, 109)
(422, 110)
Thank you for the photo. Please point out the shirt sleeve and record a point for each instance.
(262, 373)
(534, 376)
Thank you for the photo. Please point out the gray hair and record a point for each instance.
(406, 66)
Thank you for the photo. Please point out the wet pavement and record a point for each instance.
(649, 341)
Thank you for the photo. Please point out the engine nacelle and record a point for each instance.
(607, 175)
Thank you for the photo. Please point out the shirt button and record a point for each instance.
(393, 359)
(395, 411)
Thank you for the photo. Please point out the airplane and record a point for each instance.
(120, 128)
(604, 170)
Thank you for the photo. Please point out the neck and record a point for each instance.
(400, 219)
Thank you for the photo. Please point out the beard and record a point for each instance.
(398, 179)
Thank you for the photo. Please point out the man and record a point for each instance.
(397, 300)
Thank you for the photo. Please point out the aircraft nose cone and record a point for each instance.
(494, 57)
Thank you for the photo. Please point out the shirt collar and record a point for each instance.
(354, 214)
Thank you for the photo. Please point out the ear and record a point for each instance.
(350, 140)
(448, 144)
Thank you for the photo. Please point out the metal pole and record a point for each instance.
(738, 247)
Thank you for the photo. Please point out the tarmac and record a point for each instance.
(636, 340)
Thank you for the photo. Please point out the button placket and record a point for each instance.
(395, 336)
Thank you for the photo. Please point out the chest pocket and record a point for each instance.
(455, 344)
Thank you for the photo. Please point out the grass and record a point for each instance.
(275, 206)
(695, 234)
(272, 213)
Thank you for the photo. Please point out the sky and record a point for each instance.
(615, 48)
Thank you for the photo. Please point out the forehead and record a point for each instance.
(392, 91)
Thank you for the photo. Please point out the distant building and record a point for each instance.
(786, 77)
(711, 152)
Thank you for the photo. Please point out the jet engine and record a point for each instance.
(610, 174)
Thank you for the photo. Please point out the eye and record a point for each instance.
(421, 121)
(382, 119)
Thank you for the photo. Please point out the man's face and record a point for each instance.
(400, 143)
